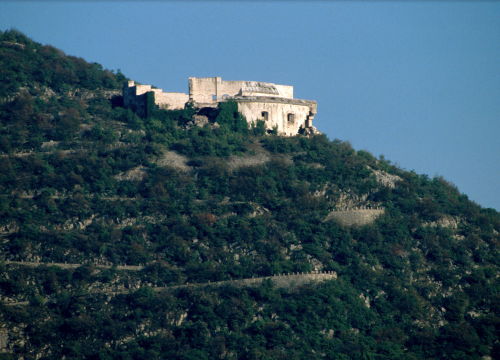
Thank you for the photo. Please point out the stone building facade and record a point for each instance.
(271, 103)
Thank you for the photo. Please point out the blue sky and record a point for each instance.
(418, 82)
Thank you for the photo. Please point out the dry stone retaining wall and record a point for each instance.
(355, 217)
(279, 281)
(74, 266)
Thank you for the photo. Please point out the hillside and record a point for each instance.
(154, 238)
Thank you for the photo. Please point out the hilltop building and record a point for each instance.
(271, 103)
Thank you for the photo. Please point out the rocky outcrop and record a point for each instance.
(386, 179)
(348, 200)
(309, 131)
(445, 221)
(135, 174)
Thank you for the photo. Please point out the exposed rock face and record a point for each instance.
(50, 144)
(4, 340)
(13, 45)
(9, 229)
(386, 179)
(200, 120)
(135, 174)
(348, 199)
(47, 94)
(309, 131)
(316, 265)
(108, 94)
(366, 300)
(445, 221)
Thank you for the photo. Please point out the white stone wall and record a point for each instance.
(203, 89)
(277, 115)
(285, 91)
(250, 93)
(142, 89)
(230, 88)
(171, 101)
(132, 97)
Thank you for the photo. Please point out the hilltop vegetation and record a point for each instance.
(85, 181)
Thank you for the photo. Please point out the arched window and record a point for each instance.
(291, 118)
(265, 115)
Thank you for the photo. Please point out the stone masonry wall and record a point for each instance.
(230, 88)
(73, 266)
(202, 90)
(278, 114)
(133, 96)
(171, 101)
(279, 281)
(285, 91)
(356, 217)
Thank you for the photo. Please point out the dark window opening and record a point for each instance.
(291, 117)
(265, 115)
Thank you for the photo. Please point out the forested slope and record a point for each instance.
(85, 181)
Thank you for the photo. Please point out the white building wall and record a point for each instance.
(202, 89)
(171, 101)
(277, 115)
(231, 88)
(142, 89)
(285, 91)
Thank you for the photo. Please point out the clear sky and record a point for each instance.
(418, 82)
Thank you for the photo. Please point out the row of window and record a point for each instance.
(290, 117)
